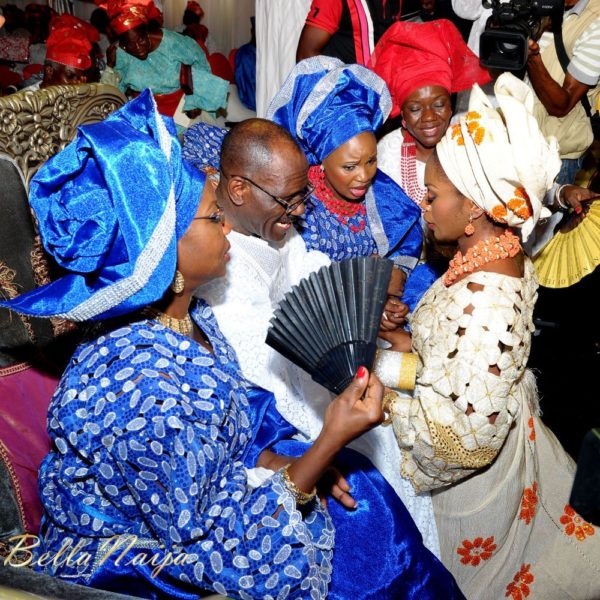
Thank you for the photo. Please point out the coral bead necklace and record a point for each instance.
(504, 246)
(342, 209)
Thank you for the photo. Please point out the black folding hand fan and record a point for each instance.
(328, 324)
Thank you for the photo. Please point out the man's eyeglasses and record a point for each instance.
(217, 217)
(290, 203)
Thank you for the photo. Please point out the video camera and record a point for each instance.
(504, 43)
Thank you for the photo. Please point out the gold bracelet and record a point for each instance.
(299, 496)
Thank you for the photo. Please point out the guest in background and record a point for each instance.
(245, 70)
(346, 30)
(159, 61)
(436, 63)
(70, 57)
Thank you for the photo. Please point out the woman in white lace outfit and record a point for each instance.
(471, 433)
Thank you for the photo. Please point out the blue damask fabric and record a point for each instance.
(322, 230)
(150, 431)
(202, 145)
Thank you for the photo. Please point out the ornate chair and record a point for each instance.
(33, 352)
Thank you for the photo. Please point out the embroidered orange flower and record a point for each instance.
(519, 588)
(532, 432)
(473, 552)
(498, 213)
(529, 503)
(520, 204)
(575, 525)
(476, 131)
(457, 135)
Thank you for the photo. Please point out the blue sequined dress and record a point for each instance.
(150, 431)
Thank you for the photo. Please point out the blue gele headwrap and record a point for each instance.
(324, 103)
(110, 208)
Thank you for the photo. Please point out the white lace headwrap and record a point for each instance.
(499, 158)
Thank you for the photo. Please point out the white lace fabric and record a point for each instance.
(472, 340)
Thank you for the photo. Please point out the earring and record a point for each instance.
(178, 283)
(322, 167)
(469, 229)
(403, 123)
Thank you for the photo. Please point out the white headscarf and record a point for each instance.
(499, 158)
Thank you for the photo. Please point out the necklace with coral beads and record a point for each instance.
(486, 251)
(342, 209)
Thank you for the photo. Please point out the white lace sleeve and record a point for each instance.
(388, 155)
(473, 341)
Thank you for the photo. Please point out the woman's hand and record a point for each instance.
(575, 196)
(334, 484)
(356, 410)
(397, 281)
(394, 314)
(400, 340)
(274, 461)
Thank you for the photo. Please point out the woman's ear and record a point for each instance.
(476, 211)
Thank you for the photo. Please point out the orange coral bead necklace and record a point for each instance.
(493, 249)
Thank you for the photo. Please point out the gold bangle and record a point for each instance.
(299, 496)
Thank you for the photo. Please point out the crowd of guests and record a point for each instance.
(180, 435)
(124, 44)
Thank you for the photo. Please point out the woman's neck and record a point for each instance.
(177, 306)
(423, 152)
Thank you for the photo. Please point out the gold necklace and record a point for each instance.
(183, 326)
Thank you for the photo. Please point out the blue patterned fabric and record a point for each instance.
(379, 552)
(419, 281)
(202, 145)
(150, 431)
(322, 230)
(393, 227)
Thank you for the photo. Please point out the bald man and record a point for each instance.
(262, 188)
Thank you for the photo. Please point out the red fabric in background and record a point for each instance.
(219, 65)
(24, 398)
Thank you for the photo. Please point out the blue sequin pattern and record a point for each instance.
(149, 430)
(322, 230)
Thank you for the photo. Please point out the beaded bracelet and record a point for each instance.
(299, 496)
(397, 370)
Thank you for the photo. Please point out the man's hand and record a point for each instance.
(557, 99)
(400, 340)
(533, 49)
(394, 314)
